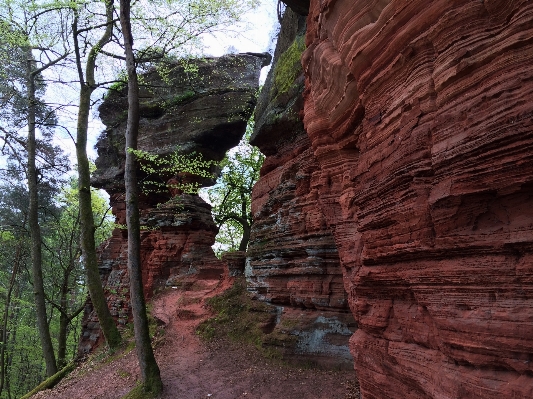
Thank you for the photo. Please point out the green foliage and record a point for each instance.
(178, 165)
(6, 236)
(63, 248)
(25, 368)
(289, 66)
(184, 22)
(68, 201)
(231, 195)
(60, 226)
(186, 65)
(120, 84)
(138, 392)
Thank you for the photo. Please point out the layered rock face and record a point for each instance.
(201, 106)
(292, 260)
(420, 117)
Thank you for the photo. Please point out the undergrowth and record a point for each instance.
(51, 381)
(238, 318)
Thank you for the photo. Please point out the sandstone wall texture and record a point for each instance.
(292, 259)
(202, 106)
(420, 117)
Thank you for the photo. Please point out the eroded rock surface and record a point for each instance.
(202, 106)
(292, 259)
(420, 116)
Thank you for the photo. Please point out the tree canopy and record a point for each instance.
(231, 196)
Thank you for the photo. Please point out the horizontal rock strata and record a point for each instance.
(292, 259)
(420, 116)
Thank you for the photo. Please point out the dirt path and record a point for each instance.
(193, 369)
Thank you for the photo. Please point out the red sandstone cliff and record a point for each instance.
(420, 116)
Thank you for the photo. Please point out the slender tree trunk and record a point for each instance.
(65, 318)
(62, 341)
(246, 226)
(246, 230)
(3, 366)
(87, 228)
(150, 374)
(63, 321)
(94, 282)
(35, 229)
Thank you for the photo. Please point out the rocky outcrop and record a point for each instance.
(420, 117)
(192, 105)
(292, 260)
(195, 106)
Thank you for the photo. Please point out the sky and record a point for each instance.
(257, 35)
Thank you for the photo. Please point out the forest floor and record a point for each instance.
(193, 368)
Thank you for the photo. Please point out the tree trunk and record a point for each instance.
(64, 317)
(246, 226)
(62, 341)
(35, 229)
(246, 230)
(3, 365)
(150, 374)
(94, 283)
(63, 320)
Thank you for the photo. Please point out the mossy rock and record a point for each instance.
(288, 67)
(179, 99)
(237, 317)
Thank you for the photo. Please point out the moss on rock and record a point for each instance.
(288, 68)
(239, 318)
